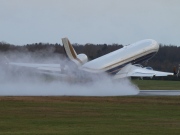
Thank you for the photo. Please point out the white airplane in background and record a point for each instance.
(121, 63)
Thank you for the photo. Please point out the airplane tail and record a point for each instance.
(79, 59)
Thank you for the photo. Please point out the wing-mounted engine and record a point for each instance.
(79, 59)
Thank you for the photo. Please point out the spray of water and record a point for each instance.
(15, 81)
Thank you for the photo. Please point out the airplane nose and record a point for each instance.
(155, 45)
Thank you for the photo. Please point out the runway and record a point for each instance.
(159, 93)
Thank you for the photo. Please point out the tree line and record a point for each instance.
(166, 59)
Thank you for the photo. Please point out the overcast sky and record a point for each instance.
(89, 21)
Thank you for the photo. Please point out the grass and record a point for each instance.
(157, 84)
(89, 115)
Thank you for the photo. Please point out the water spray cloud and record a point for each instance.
(20, 82)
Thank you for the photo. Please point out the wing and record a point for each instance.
(48, 67)
(135, 71)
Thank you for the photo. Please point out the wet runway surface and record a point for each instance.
(159, 93)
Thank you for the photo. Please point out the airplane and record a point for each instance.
(124, 62)
(121, 63)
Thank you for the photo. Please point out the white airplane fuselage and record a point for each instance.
(134, 53)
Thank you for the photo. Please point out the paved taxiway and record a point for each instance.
(159, 93)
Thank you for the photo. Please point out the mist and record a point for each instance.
(20, 81)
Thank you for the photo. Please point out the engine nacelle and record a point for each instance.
(83, 57)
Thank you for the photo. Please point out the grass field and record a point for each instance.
(90, 115)
(157, 84)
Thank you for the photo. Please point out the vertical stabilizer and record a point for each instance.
(71, 53)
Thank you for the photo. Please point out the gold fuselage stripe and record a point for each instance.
(129, 60)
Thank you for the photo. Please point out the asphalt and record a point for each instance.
(159, 93)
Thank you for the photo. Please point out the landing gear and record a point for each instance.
(178, 71)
